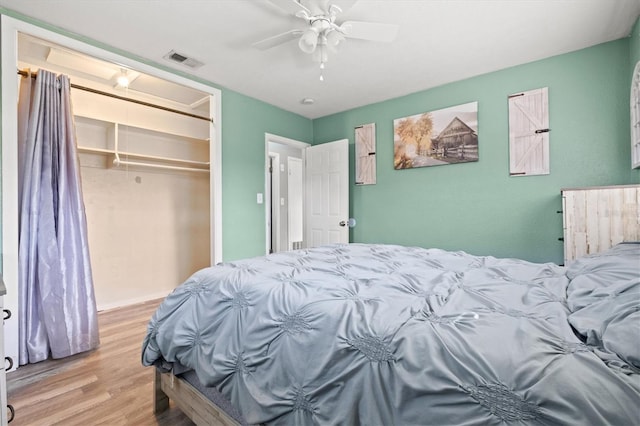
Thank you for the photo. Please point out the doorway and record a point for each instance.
(284, 189)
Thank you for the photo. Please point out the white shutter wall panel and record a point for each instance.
(366, 154)
(635, 117)
(529, 133)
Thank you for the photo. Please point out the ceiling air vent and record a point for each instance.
(183, 59)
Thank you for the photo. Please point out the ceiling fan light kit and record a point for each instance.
(334, 38)
(309, 40)
(323, 33)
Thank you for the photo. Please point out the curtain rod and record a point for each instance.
(122, 98)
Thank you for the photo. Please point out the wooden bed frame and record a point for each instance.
(191, 401)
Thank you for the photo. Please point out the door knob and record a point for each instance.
(350, 223)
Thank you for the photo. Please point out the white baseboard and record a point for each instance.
(127, 302)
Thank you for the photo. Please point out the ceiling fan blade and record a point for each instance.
(292, 7)
(344, 5)
(369, 31)
(270, 42)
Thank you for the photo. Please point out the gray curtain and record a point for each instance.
(57, 308)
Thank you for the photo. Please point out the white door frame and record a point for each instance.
(268, 137)
(273, 192)
(10, 27)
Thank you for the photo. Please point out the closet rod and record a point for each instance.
(122, 98)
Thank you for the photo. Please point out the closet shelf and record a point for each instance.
(155, 145)
(191, 165)
(143, 119)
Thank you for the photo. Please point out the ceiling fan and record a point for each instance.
(322, 32)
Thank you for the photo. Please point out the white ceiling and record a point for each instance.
(439, 41)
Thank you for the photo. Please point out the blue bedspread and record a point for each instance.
(382, 335)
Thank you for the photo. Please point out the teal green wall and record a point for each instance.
(477, 207)
(244, 123)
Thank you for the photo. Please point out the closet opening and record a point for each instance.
(150, 176)
(144, 169)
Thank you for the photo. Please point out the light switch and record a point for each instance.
(259, 198)
(282, 201)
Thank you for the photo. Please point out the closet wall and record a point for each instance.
(148, 225)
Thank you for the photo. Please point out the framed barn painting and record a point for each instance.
(435, 138)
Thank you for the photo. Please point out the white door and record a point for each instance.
(327, 196)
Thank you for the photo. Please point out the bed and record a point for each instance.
(382, 334)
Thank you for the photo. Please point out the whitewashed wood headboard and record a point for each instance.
(597, 218)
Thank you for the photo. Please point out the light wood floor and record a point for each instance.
(108, 386)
